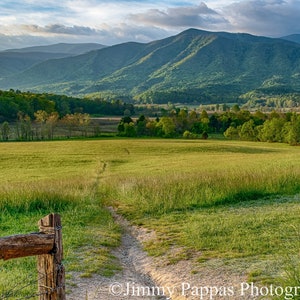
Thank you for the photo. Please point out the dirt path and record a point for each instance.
(145, 277)
(133, 282)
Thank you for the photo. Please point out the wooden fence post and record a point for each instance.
(51, 272)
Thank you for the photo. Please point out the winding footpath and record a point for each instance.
(144, 277)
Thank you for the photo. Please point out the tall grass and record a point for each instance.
(214, 199)
(184, 190)
(66, 184)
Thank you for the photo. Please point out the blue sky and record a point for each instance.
(35, 22)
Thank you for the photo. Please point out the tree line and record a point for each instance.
(233, 124)
(13, 102)
(28, 116)
(47, 126)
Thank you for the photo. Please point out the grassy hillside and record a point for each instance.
(191, 66)
(230, 205)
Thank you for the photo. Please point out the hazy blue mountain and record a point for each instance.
(16, 60)
(73, 49)
(293, 38)
(194, 65)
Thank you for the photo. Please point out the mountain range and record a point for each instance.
(14, 61)
(193, 66)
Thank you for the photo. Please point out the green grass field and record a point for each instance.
(231, 201)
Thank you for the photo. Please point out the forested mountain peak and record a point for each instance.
(192, 66)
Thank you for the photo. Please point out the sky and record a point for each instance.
(26, 23)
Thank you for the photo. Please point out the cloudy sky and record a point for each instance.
(39, 22)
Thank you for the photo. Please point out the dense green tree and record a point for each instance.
(271, 131)
(247, 131)
(192, 118)
(203, 114)
(181, 121)
(225, 121)
(151, 127)
(129, 130)
(141, 128)
(166, 126)
(291, 131)
(231, 132)
(204, 119)
(259, 117)
(241, 117)
(123, 121)
(214, 123)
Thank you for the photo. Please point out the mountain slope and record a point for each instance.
(17, 60)
(193, 65)
(14, 62)
(90, 66)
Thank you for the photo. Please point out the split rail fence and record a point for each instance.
(47, 245)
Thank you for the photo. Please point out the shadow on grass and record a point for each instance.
(39, 203)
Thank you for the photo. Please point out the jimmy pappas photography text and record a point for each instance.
(244, 290)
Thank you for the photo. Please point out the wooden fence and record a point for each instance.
(47, 245)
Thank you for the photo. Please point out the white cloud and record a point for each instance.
(186, 16)
(111, 21)
(58, 29)
(264, 17)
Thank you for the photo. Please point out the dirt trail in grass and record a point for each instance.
(144, 277)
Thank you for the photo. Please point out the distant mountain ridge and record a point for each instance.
(194, 65)
(13, 61)
(292, 38)
(67, 48)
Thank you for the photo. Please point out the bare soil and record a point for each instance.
(145, 277)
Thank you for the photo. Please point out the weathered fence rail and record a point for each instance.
(47, 245)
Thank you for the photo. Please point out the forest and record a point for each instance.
(29, 116)
(233, 124)
(13, 102)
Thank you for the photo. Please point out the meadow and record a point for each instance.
(228, 203)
